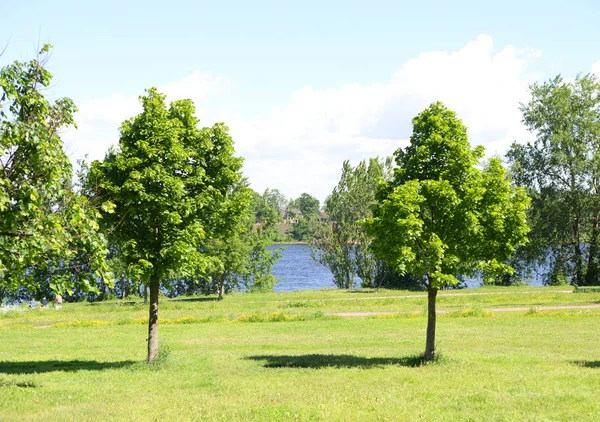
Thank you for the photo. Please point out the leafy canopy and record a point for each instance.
(561, 169)
(46, 229)
(168, 188)
(340, 243)
(441, 216)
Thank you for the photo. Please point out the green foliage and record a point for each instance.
(246, 263)
(166, 191)
(308, 205)
(340, 243)
(169, 184)
(561, 169)
(48, 232)
(305, 213)
(258, 276)
(304, 229)
(441, 216)
(270, 207)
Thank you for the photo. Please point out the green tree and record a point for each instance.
(440, 216)
(561, 169)
(47, 231)
(243, 253)
(168, 184)
(258, 275)
(308, 205)
(265, 207)
(340, 243)
(292, 210)
(275, 200)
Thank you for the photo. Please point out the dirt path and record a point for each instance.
(419, 296)
(508, 309)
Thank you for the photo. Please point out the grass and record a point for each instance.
(283, 357)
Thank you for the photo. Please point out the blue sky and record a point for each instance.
(304, 85)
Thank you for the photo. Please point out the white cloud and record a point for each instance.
(300, 146)
(318, 129)
(98, 120)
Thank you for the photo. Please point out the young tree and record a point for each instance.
(440, 216)
(168, 184)
(47, 230)
(243, 254)
(561, 169)
(341, 243)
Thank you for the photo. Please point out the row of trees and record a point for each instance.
(169, 207)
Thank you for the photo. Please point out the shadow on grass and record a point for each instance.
(588, 363)
(335, 361)
(42, 366)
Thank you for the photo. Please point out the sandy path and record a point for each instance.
(508, 309)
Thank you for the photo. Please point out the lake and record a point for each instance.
(296, 270)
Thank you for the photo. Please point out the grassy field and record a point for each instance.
(285, 357)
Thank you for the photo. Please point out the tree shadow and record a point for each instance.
(587, 363)
(335, 361)
(42, 366)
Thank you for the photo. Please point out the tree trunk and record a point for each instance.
(221, 286)
(578, 252)
(591, 275)
(430, 343)
(153, 319)
(145, 293)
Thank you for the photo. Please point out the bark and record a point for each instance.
(153, 319)
(578, 251)
(221, 287)
(591, 275)
(431, 319)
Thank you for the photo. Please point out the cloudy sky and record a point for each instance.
(304, 85)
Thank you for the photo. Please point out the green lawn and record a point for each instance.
(85, 362)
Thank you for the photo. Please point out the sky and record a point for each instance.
(304, 85)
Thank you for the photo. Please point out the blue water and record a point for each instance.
(296, 270)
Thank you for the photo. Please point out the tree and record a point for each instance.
(265, 207)
(168, 186)
(441, 216)
(246, 261)
(341, 243)
(258, 275)
(561, 169)
(275, 200)
(47, 230)
(309, 206)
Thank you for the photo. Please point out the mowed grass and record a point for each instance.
(283, 357)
